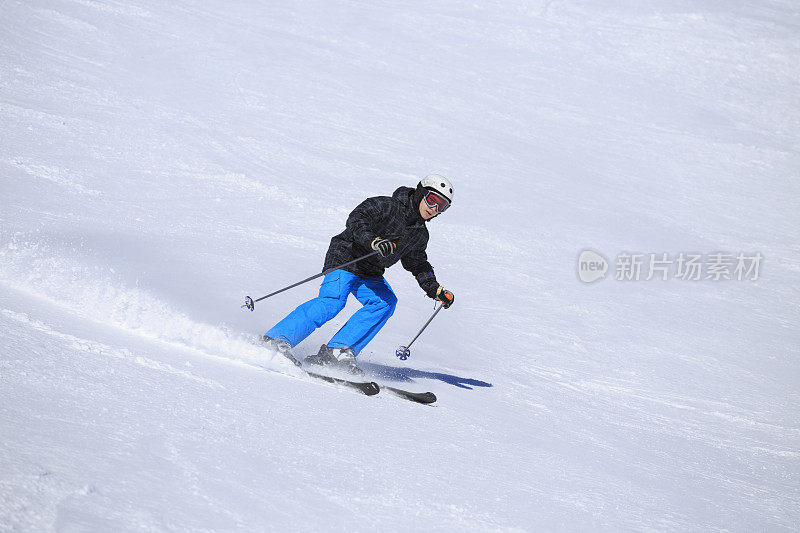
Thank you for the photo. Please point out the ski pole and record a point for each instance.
(403, 352)
(251, 304)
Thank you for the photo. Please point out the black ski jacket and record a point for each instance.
(395, 218)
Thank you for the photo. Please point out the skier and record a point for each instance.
(395, 228)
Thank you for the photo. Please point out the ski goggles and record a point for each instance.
(436, 200)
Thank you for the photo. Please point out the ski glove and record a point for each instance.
(385, 247)
(443, 295)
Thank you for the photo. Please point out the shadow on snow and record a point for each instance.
(393, 373)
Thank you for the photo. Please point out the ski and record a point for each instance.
(419, 397)
(370, 388)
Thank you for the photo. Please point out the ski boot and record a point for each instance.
(282, 347)
(336, 358)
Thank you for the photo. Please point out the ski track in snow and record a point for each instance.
(161, 161)
(102, 349)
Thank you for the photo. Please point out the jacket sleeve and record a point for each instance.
(365, 218)
(416, 262)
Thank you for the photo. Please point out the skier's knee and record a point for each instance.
(391, 302)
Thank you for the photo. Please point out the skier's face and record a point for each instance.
(426, 211)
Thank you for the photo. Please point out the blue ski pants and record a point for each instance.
(374, 293)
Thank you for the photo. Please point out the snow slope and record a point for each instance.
(161, 160)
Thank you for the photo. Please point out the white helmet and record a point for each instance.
(437, 183)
